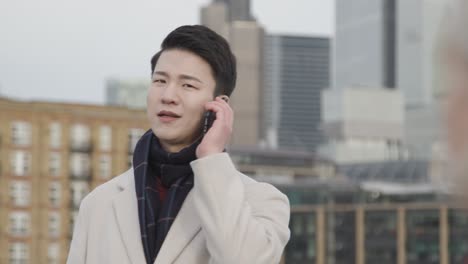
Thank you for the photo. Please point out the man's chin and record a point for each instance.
(164, 135)
(167, 135)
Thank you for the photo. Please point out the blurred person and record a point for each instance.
(453, 56)
(183, 201)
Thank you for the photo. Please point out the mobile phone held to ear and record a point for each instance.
(210, 117)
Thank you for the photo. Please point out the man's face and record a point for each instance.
(182, 83)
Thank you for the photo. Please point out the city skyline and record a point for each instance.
(50, 53)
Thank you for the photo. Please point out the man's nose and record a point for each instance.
(170, 94)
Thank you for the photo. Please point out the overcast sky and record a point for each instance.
(65, 50)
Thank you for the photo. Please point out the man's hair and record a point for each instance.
(208, 45)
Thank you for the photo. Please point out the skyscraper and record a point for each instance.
(418, 22)
(387, 43)
(216, 17)
(232, 20)
(363, 125)
(296, 70)
(364, 46)
(238, 10)
(391, 44)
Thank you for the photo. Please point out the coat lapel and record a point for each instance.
(185, 227)
(183, 230)
(126, 213)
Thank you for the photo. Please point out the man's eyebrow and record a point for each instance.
(161, 73)
(182, 76)
(189, 77)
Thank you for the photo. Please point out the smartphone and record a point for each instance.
(210, 117)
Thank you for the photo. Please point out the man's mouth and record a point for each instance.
(168, 113)
(167, 116)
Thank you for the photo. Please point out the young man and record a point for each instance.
(184, 201)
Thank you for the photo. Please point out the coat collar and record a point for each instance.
(183, 230)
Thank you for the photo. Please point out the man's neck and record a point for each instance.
(172, 148)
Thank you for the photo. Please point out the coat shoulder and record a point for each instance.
(106, 191)
(255, 188)
(252, 183)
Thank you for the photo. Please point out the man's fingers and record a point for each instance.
(217, 109)
(229, 113)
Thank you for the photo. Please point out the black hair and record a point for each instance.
(211, 47)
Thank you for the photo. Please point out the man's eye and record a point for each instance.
(159, 81)
(188, 85)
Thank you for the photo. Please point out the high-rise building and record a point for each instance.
(388, 43)
(363, 125)
(130, 94)
(296, 70)
(424, 130)
(237, 10)
(52, 155)
(216, 17)
(232, 20)
(418, 22)
(365, 44)
(417, 73)
(391, 43)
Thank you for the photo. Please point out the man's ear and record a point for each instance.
(225, 98)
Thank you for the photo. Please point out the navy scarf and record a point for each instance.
(150, 160)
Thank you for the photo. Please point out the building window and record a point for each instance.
(53, 253)
(55, 194)
(79, 189)
(134, 134)
(80, 137)
(20, 163)
(19, 253)
(422, 231)
(381, 236)
(20, 224)
(105, 166)
(21, 133)
(54, 224)
(105, 138)
(54, 164)
(80, 165)
(20, 193)
(55, 135)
